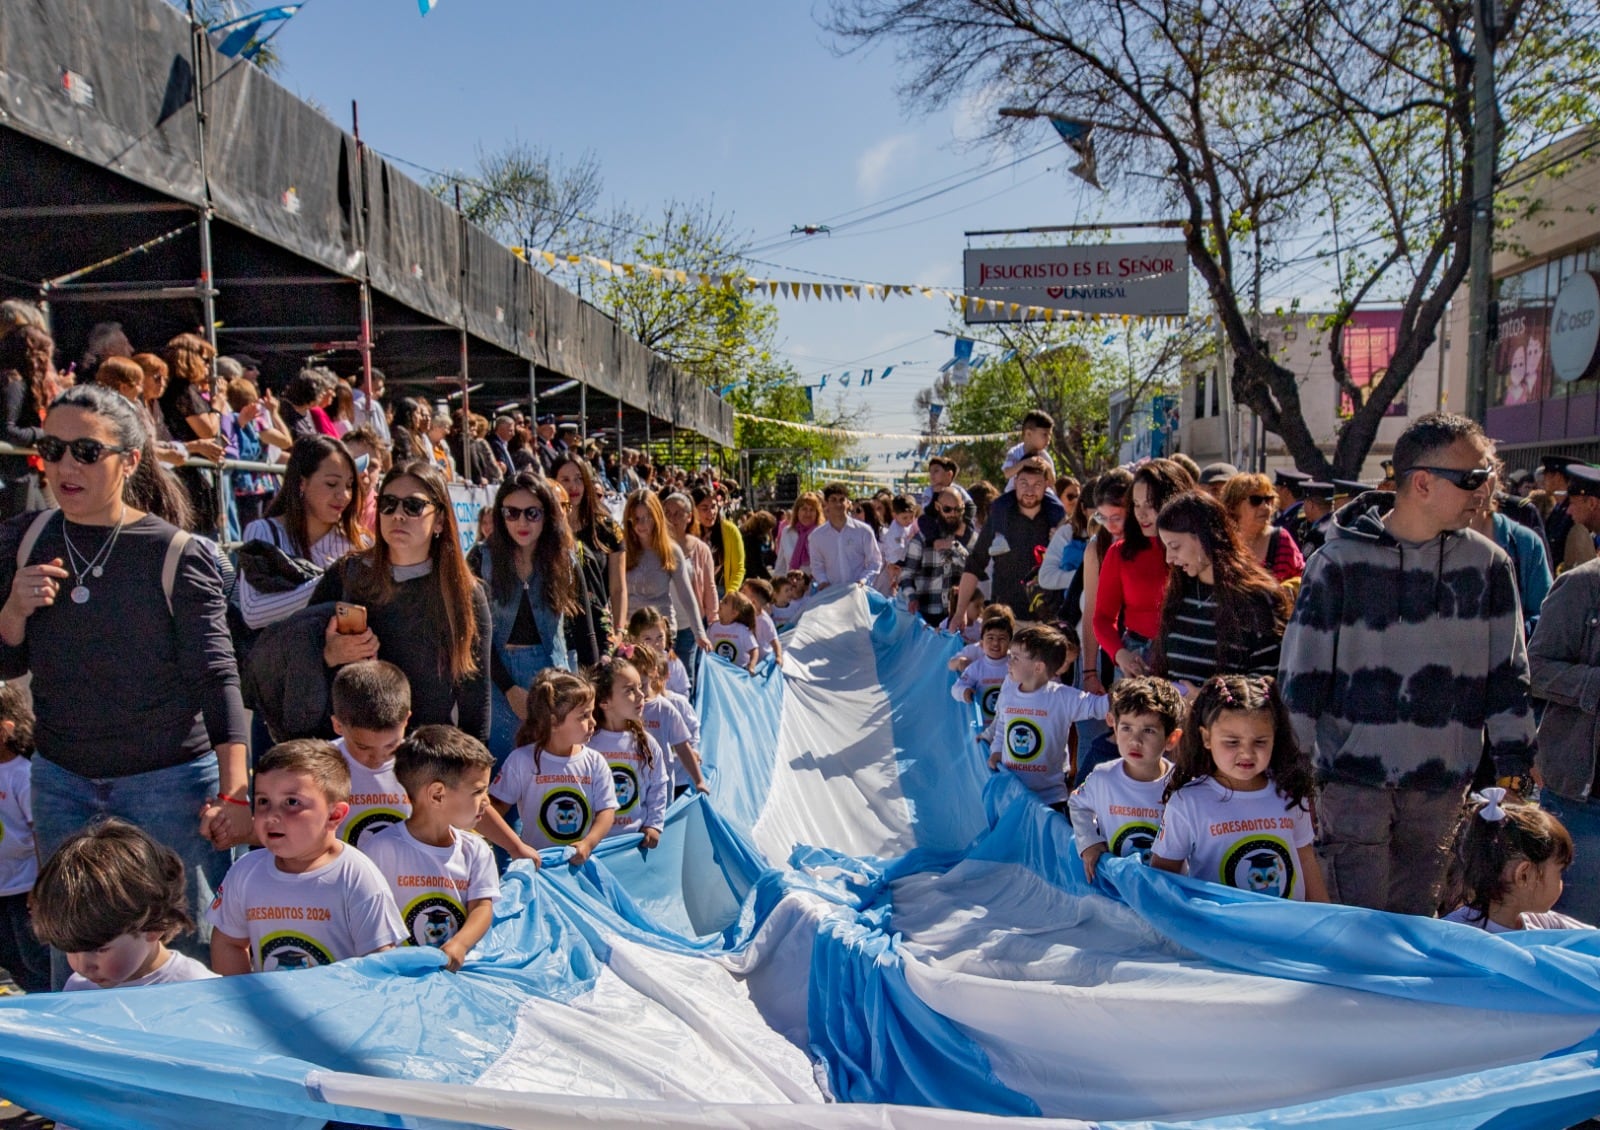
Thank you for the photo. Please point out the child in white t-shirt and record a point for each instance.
(21, 953)
(789, 596)
(309, 899)
(638, 766)
(371, 709)
(1034, 715)
(649, 627)
(903, 513)
(673, 726)
(733, 636)
(1037, 429)
(442, 874)
(111, 898)
(1508, 860)
(983, 665)
(760, 594)
(1118, 807)
(561, 787)
(1239, 799)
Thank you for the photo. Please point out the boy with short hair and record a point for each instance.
(1037, 428)
(983, 665)
(442, 876)
(308, 899)
(1034, 715)
(1118, 808)
(760, 594)
(371, 707)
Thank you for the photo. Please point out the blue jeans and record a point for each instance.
(688, 653)
(1581, 898)
(165, 803)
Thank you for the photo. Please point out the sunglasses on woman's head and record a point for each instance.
(523, 513)
(412, 506)
(84, 451)
(1262, 499)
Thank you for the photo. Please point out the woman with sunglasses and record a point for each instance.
(530, 569)
(426, 613)
(120, 620)
(599, 543)
(1251, 500)
(315, 517)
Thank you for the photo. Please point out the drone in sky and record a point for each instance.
(811, 229)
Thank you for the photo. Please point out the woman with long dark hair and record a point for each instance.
(27, 386)
(1133, 574)
(1224, 614)
(1110, 505)
(530, 569)
(118, 616)
(315, 517)
(412, 419)
(599, 540)
(426, 613)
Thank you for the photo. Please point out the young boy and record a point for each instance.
(21, 953)
(371, 707)
(309, 898)
(1037, 428)
(761, 595)
(442, 876)
(1034, 716)
(983, 665)
(1118, 808)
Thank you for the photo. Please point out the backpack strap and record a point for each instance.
(31, 537)
(169, 566)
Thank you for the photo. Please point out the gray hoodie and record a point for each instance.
(1401, 655)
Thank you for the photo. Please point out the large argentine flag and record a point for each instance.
(861, 917)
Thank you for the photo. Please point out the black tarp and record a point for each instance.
(496, 304)
(597, 350)
(109, 81)
(633, 369)
(661, 375)
(279, 169)
(533, 286)
(413, 242)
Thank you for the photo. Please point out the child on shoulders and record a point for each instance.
(1239, 801)
(1034, 714)
(309, 899)
(561, 787)
(111, 898)
(21, 953)
(441, 874)
(1506, 866)
(1118, 807)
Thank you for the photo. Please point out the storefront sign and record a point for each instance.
(1575, 327)
(1119, 278)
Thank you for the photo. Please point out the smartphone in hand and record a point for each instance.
(350, 619)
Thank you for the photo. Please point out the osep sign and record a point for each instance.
(1575, 327)
(1119, 278)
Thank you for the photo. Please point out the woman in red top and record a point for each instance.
(1133, 577)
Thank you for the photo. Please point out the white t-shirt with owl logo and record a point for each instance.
(1112, 808)
(733, 642)
(557, 797)
(984, 677)
(1250, 841)
(434, 886)
(643, 787)
(1031, 728)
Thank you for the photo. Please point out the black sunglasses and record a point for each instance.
(949, 509)
(1470, 479)
(84, 451)
(523, 513)
(1262, 499)
(413, 506)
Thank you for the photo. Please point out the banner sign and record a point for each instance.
(1018, 283)
(468, 501)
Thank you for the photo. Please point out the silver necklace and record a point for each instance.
(84, 566)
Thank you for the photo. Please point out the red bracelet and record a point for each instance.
(235, 800)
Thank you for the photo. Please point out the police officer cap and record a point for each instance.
(1323, 492)
(1290, 478)
(1560, 464)
(1583, 479)
(1349, 486)
(1217, 472)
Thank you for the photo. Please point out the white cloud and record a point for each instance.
(873, 166)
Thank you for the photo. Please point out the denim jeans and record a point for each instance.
(688, 653)
(165, 803)
(1581, 897)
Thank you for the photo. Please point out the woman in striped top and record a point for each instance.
(1223, 614)
(314, 517)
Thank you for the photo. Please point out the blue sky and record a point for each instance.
(743, 103)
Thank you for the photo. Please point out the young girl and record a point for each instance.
(1506, 867)
(760, 594)
(647, 626)
(670, 719)
(638, 767)
(789, 592)
(733, 636)
(111, 898)
(1237, 804)
(21, 954)
(561, 787)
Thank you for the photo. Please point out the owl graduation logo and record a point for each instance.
(626, 782)
(564, 815)
(1263, 864)
(727, 650)
(1024, 739)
